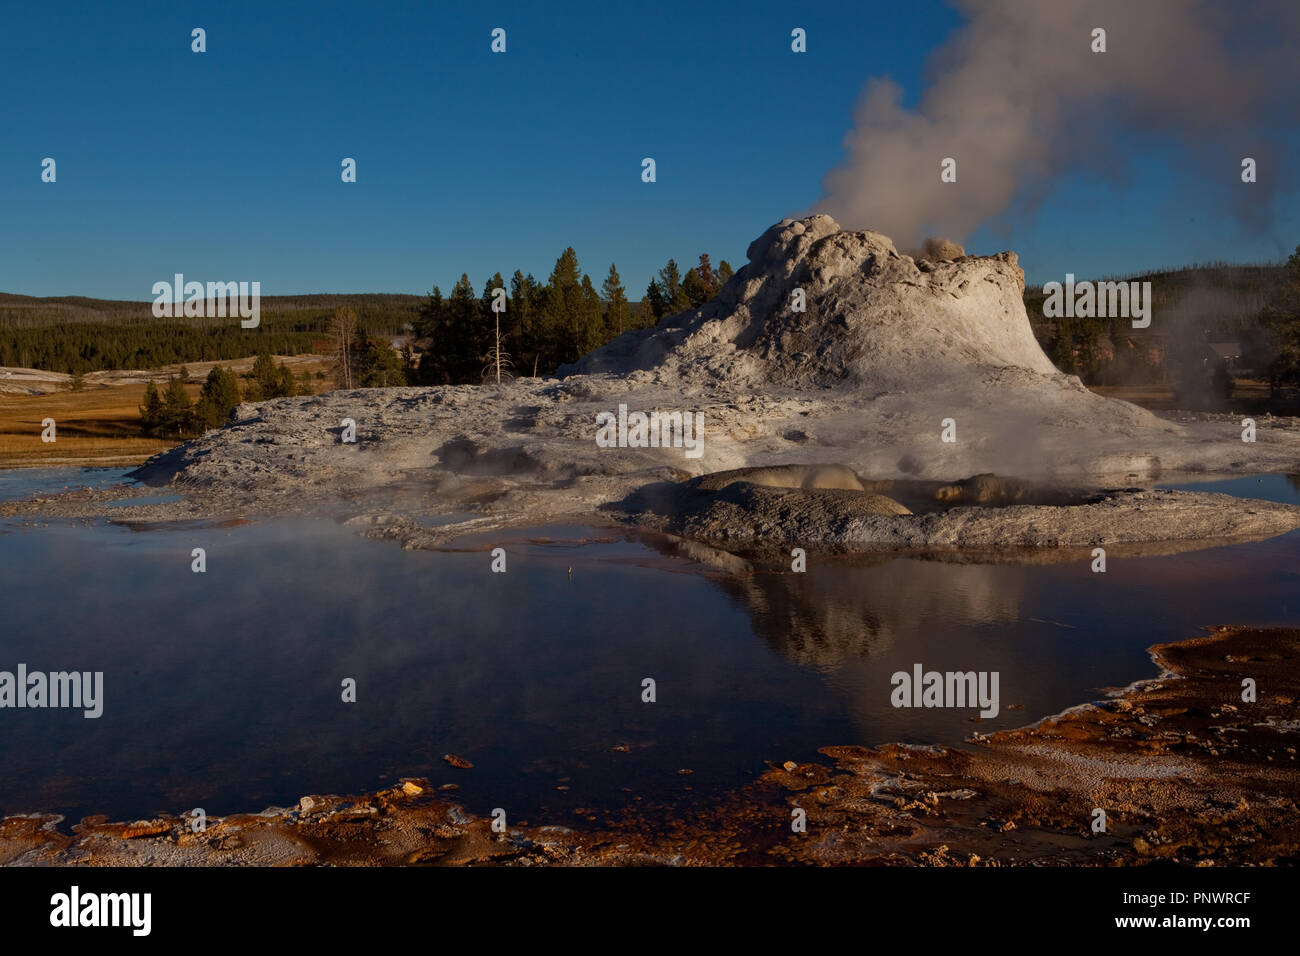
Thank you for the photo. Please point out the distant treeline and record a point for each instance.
(544, 325)
(456, 338)
(73, 334)
(91, 347)
(1252, 307)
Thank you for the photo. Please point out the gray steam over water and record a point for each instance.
(1017, 97)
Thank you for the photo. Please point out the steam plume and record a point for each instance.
(1018, 97)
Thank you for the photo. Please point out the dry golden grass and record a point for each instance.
(100, 425)
(95, 426)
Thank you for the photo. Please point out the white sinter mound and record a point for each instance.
(889, 356)
(870, 318)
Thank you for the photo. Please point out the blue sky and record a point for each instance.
(225, 165)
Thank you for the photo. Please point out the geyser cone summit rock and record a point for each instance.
(871, 317)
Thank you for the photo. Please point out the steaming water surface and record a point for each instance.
(222, 690)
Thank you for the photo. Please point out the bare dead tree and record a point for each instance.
(498, 358)
(499, 365)
(342, 330)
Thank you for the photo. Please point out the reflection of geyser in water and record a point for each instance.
(857, 620)
(850, 610)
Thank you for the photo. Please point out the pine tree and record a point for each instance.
(589, 329)
(725, 272)
(656, 300)
(496, 282)
(671, 282)
(693, 289)
(618, 316)
(379, 366)
(457, 334)
(561, 311)
(285, 383)
(464, 339)
(708, 278)
(537, 308)
(266, 380)
(218, 398)
(265, 374)
(523, 338)
(151, 411)
(431, 324)
(177, 411)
